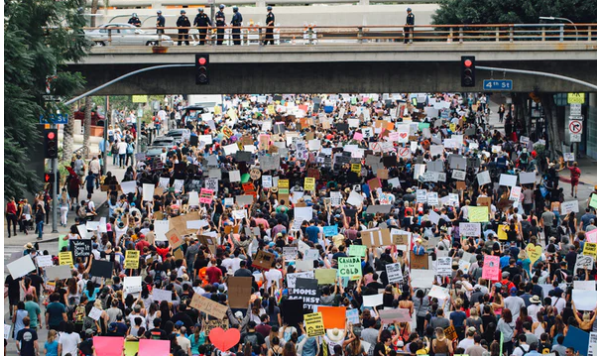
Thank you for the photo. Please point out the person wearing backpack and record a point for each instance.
(130, 149)
(256, 340)
(523, 348)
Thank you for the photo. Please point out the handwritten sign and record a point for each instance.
(131, 260)
(206, 196)
(314, 324)
(349, 267)
(310, 184)
(208, 306)
(66, 258)
(478, 214)
(491, 268)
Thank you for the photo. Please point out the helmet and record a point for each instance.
(200, 9)
(159, 12)
(409, 9)
(222, 6)
(134, 15)
(183, 12)
(235, 8)
(269, 8)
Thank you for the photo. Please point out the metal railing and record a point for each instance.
(161, 4)
(312, 35)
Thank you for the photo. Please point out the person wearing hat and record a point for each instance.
(237, 21)
(160, 24)
(419, 249)
(202, 21)
(183, 25)
(134, 20)
(408, 28)
(269, 22)
(220, 24)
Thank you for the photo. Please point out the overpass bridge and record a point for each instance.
(356, 59)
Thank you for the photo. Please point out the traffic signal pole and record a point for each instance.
(55, 189)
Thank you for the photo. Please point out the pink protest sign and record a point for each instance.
(358, 136)
(153, 347)
(592, 236)
(108, 345)
(206, 196)
(491, 268)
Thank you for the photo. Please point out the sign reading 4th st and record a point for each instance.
(494, 84)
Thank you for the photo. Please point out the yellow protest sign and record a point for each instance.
(131, 260)
(217, 110)
(283, 186)
(232, 114)
(314, 324)
(534, 252)
(309, 184)
(478, 214)
(590, 249)
(355, 167)
(66, 258)
(227, 132)
(271, 109)
(453, 127)
(502, 234)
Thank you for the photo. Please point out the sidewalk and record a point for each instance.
(98, 197)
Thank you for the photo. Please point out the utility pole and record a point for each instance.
(106, 125)
(55, 188)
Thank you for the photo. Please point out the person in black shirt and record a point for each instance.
(86, 346)
(27, 340)
(220, 24)
(269, 22)
(182, 318)
(237, 21)
(202, 20)
(160, 22)
(408, 28)
(183, 23)
(243, 271)
(134, 20)
(156, 333)
(14, 291)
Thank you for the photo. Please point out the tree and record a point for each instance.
(452, 12)
(39, 38)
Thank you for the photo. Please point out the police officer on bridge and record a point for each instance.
(269, 22)
(134, 20)
(160, 22)
(183, 25)
(202, 20)
(408, 28)
(237, 21)
(220, 24)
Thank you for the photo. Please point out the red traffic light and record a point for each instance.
(468, 63)
(47, 178)
(202, 61)
(51, 135)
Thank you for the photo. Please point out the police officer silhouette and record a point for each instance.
(160, 22)
(408, 28)
(202, 20)
(183, 25)
(237, 20)
(220, 24)
(134, 20)
(269, 22)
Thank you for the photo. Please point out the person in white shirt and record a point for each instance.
(68, 341)
(122, 152)
(469, 340)
(273, 275)
(523, 348)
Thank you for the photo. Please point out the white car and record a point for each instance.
(124, 34)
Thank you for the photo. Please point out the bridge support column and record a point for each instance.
(260, 3)
(363, 2)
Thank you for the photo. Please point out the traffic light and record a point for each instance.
(201, 63)
(51, 143)
(49, 177)
(467, 71)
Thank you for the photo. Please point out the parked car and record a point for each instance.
(179, 135)
(124, 34)
(96, 119)
(153, 152)
(163, 141)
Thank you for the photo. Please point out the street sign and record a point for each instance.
(576, 98)
(575, 109)
(139, 98)
(494, 84)
(60, 119)
(575, 137)
(575, 126)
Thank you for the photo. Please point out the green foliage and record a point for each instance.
(513, 11)
(39, 38)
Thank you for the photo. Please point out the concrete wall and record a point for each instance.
(590, 126)
(330, 77)
(321, 15)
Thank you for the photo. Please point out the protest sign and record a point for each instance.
(239, 292)
(21, 267)
(326, 276)
(443, 266)
(478, 214)
(349, 267)
(590, 249)
(65, 258)
(333, 317)
(314, 324)
(357, 250)
(80, 248)
(491, 268)
(209, 307)
(391, 316)
(394, 273)
(109, 345)
(102, 269)
(307, 290)
(131, 260)
(470, 229)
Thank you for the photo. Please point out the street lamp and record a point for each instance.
(551, 18)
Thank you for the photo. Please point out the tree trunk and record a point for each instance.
(551, 120)
(94, 5)
(69, 128)
(87, 125)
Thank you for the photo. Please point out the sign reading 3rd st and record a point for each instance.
(494, 84)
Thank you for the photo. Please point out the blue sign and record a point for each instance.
(330, 230)
(60, 119)
(495, 85)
